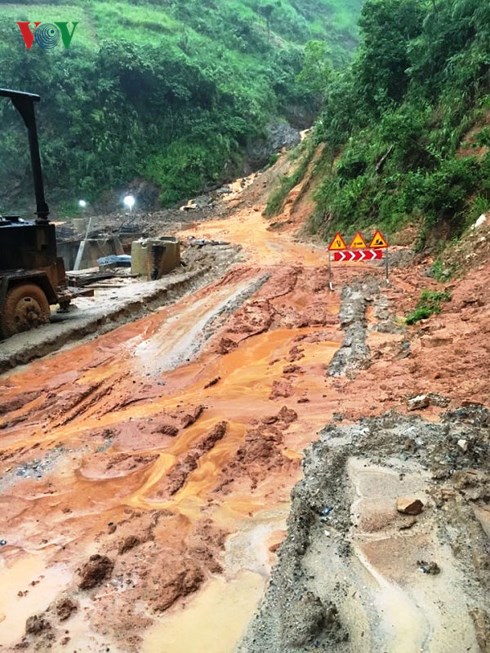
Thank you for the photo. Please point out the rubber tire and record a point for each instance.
(39, 313)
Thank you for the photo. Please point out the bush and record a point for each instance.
(428, 304)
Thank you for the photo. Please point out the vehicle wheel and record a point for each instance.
(26, 307)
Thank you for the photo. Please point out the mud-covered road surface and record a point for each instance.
(146, 473)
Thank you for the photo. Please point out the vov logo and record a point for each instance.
(46, 35)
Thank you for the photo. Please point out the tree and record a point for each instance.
(317, 70)
(387, 29)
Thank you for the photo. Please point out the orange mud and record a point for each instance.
(171, 445)
(157, 445)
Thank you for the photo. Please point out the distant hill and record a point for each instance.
(174, 92)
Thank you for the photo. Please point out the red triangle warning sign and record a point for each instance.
(358, 242)
(337, 243)
(378, 240)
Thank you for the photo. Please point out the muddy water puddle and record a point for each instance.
(214, 621)
(28, 587)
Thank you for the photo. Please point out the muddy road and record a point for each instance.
(146, 473)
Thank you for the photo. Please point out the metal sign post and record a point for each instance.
(330, 284)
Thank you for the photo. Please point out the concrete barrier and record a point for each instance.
(153, 258)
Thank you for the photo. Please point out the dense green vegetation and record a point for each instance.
(170, 91)
(429, 304)
(406, 126)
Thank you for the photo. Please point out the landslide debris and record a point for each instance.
(349, 568)
(96, 570)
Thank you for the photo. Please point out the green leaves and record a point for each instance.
(429, 304)
(397, 121)
(172, 90)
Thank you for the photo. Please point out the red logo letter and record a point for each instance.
(27, 35)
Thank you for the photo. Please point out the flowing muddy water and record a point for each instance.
(170, 446)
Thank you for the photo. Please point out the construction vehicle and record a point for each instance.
(32, 276)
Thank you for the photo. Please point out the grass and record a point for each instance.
(148, 23)
(236, 62)
(429, 304)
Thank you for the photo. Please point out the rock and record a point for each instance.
(65, 608)
(287, 415)
(191, 418)
(418, 402)
(481, 620)
(429, 567)
(281, 389)
(168, 429)
(278, 135)
(409, 505)
(480, 222)
(37, 624)
(482, 513)
(435, 341)
(407, 524)
(225, 346)
(438, 400)
(186, 579)
(463, 445)
(214, 381)
(95, 571)
(306, 618)
(128, 543)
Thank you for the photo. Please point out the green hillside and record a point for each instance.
(407, 126)
(168, 91)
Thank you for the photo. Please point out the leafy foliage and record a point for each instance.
(165, 90)
(395, 121)
(428, 304)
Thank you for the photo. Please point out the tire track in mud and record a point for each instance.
(135, 444)
(173, 344)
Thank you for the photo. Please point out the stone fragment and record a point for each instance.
(438, 400)
(409, 505)
(429, 567)
(407, 525)
(418, 402)
(65, 608)
(463, 445)
(128, 543)
(37, 624)
(482, 513)
(93, 572)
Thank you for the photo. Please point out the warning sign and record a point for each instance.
(378, 240)
(358, 242)
(337, 243)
